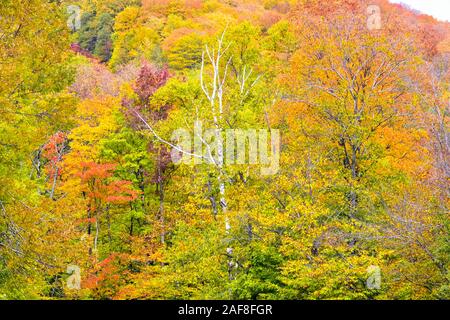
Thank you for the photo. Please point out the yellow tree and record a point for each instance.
(350, 111)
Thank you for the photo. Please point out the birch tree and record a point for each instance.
(214, 93)
(214, 88)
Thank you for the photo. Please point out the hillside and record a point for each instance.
(223, 149)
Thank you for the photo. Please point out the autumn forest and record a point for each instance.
(119, 177)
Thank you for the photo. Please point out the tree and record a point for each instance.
(33, 106)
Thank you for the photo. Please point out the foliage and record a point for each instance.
(87, 177)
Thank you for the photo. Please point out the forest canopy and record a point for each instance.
(118, 179)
